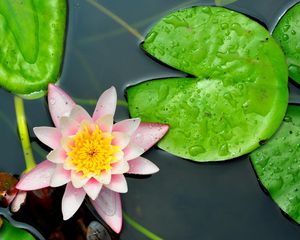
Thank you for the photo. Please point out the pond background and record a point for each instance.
(185, 200)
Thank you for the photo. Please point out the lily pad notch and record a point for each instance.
(237, 97)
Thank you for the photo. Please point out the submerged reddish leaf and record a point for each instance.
(7, 188)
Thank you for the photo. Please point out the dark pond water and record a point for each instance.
(185, 200)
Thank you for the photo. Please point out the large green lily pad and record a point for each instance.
(277, 164)
(32, 34)
(287, 33)
(238, 96)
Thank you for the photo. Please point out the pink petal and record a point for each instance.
(120, 139)
(48, 135)
(105, 123)
(68, 165)
(79, 114)
(118, 156)
(92, 188)
(142, 165)
(60, 176)
(78, 180)
(129, 126)
(118, 184)
(132, 151)
(60, 103)
(38, 177)
(106, 104)
(104, 178)
(149, 134)
(120, 167)
(68, 126)
(72, 199)
(108, 206)
(57, 156)
(65, 143)
(18, 201)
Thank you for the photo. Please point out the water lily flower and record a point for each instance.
(91, 154)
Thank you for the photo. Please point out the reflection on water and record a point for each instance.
(185, 200)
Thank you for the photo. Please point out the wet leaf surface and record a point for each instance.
(238, 96)
(32, 34)
(277, 164)
(9, 232)
(287, 33)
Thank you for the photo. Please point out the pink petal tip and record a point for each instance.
(148, 134)
(60, 103)
(106, 104)
(108, 206)
(39, 177)
(72, 200)
(142, 166)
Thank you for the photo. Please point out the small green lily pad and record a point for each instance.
(238, 96)
(277, 164)
(32, 34)
(10, 232)
(287, 33)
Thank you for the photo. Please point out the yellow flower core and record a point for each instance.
(92, 152)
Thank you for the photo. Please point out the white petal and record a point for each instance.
(78, 180)
(118, 184)
(120, 139)
(105, 123)
(64, 143)
(79, 114)
(57, 156)
(132, 151)
(72, 199)
(68, 165)
(18, 201)
(60, 176)
(104, 177)
(119, 156)
(128, 126)
(69, 127)
(120, 167)
(48, 135)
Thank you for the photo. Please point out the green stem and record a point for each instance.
(140, 228)
(93, 102)
(23, 132)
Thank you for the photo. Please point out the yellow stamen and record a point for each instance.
(91, 151)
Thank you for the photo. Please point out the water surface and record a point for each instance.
(185, 200)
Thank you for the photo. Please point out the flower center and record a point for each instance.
(92, 152)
